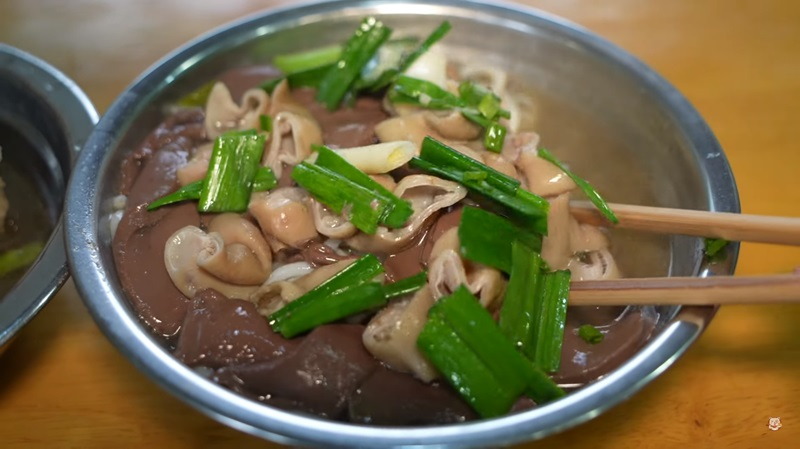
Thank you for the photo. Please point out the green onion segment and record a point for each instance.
(503, 191)
(357, 52)
(714, 249)
(517, 314)
(590, 334)
(233, 165)
(463, 342)
(263, 181)
(19, 258)
(406, 285)
(359, 272)
(550, 314)
(587, 188)
(476, 103)
(198, 97)
(306, 60)
(346, 189)
(488, 238)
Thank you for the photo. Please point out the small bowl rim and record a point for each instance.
(71, 105)
(128, 335)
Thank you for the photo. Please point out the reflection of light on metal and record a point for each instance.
(774, 423)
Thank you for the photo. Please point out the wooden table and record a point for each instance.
(63, 385)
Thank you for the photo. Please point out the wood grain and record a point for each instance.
(665, 220)
(63, 385)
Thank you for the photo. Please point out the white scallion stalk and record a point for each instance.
(430, 66)
(379, 158)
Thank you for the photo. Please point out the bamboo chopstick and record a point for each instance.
(781, 288)
(736, 227)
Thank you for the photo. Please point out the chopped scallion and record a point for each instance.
(472, 326)
(346, 189)
(590, 334)
(263, 181)
(396, 212)
(190, 191)
(310, 59)
(494, 136)
(525, 207)
(550, 315)
(423, 93)
(359, 272)
(406, 285)
(338, 305)
(464, 370)
(306, 78)
(233, 165)
(357, 52)
(265, 123)
(19, 258)
(517, 312)
(389, 75)
(487, 238)
(198, 97)
(714, 249)
(587, 188)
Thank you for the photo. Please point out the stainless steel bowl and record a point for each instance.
(43, 108)
(596, 103)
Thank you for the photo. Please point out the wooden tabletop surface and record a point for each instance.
(62, 384)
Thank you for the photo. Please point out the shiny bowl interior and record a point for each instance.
(594, 103)
(44, 120)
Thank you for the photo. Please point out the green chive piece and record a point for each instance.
(357, 52)
(517, 312)
(484, 100)
(715, 249)
(439, 159)
(19, 258)
(190, 191)
(587, 188)
(527, 212)
(340, 194)
(551, 316)
(265, 123)
(475, 176)
(233, 165)
(338, 305)
(590, 334)
(305, 60)
(423, 93)
(463, 313)
(488, 238)
(384, 67)
(390, 75)
(475, 326)
(464, 370)
(197, 98)
(440, 154)
(264, 180)
(306, 78)
(406, 285)
(359, 272)
(494, 137)
(436, 35)
(396, 212)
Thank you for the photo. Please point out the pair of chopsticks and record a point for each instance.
(783, 288)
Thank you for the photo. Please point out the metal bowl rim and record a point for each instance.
(49, 272)
(128, 335)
